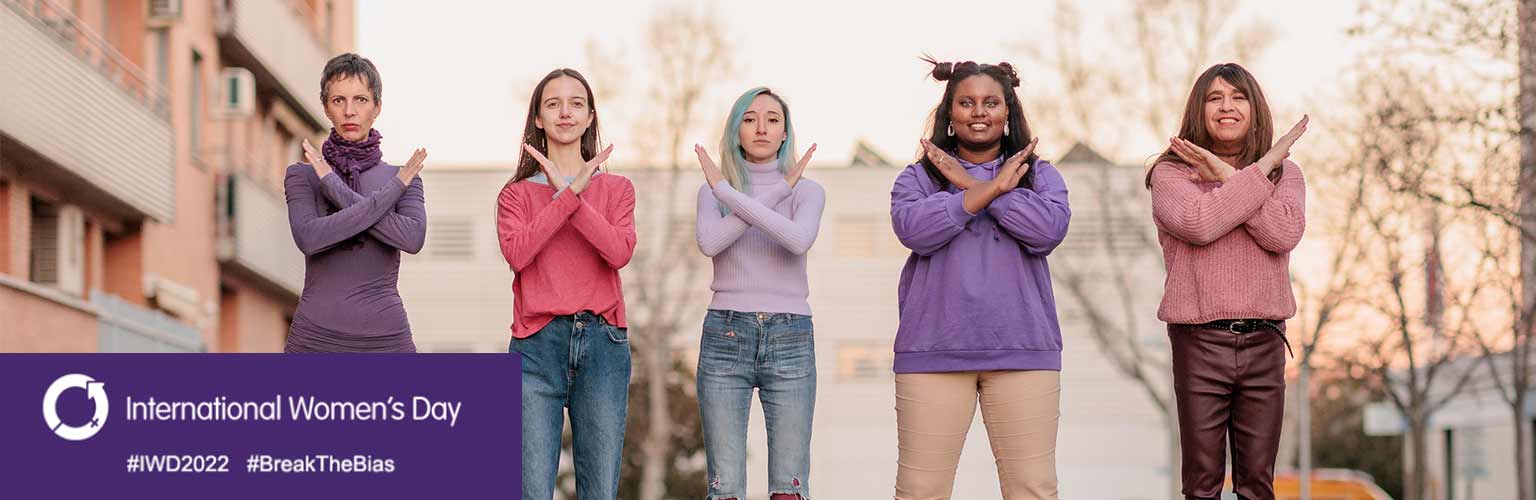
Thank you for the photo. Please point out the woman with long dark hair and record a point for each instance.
(351, 215)
(980, 212)
(566, 228)
(1229, 209)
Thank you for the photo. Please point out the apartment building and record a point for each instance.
(142, 149)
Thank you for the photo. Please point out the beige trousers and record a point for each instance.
(934, 412)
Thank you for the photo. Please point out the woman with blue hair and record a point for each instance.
(757, 219)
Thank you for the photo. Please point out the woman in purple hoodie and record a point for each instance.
(980, 212)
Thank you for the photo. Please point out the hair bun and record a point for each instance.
(1012, 74)
(942, 71)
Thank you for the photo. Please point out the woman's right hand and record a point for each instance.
(1208, 167)
(316, 160)
(551, 172)
(948, 166)
(712, 173)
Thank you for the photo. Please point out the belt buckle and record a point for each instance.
(1242, 327)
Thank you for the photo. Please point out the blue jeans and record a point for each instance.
(774, 353)
(579, 362)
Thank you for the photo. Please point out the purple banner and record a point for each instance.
(259, 425)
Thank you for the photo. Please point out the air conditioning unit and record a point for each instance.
(163, 12)
(237, 94)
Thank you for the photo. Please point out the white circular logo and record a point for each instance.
(94, 390)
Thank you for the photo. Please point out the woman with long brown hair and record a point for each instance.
(566, 228)
(1229, 209)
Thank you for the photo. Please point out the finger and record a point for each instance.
(1301, 126)
(537, 156)
(309, 152)
(935, 154)
(416, 159)
(1031, 147)
(806, 159)
(421, 162)
(1182, 152)
(601, 156)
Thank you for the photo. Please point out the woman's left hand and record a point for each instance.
(799, 169)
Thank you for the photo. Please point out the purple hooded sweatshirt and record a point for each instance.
(975, 294)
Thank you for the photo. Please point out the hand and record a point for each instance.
(799, 169)
(551, 172)
(712, 173)
(1013, 169)
(948, 166)
(412, 167)
(316, 160)
(1282, 148)
(1208, 166)
(584, 177)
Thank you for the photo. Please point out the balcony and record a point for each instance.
(41, 318)
(74, 101)
(129, 328)
(270, 38)
(253, 234)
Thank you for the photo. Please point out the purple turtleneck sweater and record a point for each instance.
(759, 247)
(976, 294)
(350, 301)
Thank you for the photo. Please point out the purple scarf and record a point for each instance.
(350, 159)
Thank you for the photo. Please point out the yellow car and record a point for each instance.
(1330, 484)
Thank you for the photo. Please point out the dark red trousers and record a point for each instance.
(1230, 389)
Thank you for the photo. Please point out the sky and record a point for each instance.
(458, 73)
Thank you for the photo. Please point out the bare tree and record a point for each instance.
(1151, 68)
(1322, 293)
(1492, 114)
(1089, 81)
(687, 55)
(1412, 357)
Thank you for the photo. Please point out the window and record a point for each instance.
(5, 227)
(452, 238)
(163, 57)
(1094, 234)
(1450, 463)
(864, 361)
(858, 236)
(44, 243)
(195, 111)
(57, 246)
(286, 149)
(330, 21)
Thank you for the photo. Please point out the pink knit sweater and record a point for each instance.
(1227, 246)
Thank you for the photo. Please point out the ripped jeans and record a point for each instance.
(775, 354)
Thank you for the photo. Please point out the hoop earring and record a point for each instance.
(1005, 128)
(950, 129)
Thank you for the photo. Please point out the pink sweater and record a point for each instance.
(566, 250)
(1227, 246)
